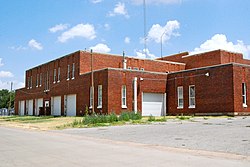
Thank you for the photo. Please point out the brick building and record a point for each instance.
(211, 83)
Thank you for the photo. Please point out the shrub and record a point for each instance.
(124, 116)
(151, 118)
(135, 115)
(113, 118)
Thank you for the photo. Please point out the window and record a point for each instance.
(180, 96)
(99, 96)
(58, 73)
(73, 71)
(142, 69)
(191, 96)
(91, 97)
(136, 68)
(244, 94)
(124, 100)
(68, 73)
(46, 82)
(28, 83)
(54, 76)
(41, 79)
(37, 80)
(31, 82)
(129, 68)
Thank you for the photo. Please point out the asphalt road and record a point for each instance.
(27, 148)
(226, 135)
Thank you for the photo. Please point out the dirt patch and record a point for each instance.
(37, 123)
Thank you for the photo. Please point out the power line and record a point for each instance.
(145, 27)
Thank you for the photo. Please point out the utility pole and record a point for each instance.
(162, 41)
(145, 27)
(11, 84)
(92, 82)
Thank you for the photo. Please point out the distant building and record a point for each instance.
(211, 83)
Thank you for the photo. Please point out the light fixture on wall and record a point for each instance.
(207, 74)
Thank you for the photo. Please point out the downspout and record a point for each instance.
(135, 94)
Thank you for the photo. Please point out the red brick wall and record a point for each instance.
(154, 83)
(241, 75)
(207, 59)
(214, 94)
(101, 61)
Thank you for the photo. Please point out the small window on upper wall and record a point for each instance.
(129, 68)
(73, 71)
(31, 82)
(180, 97)
(244, 95)
(191, 96)
(99, 96)
(124, 98)
(58, 74)
(136, 68)
(68, 72)
(54, 77)
(41, 79)
(37, 80)
(142, 69)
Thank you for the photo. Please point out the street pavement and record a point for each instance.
(145, 145)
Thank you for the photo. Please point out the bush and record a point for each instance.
(151, 118)
(113, 118)
(124, 116)
(135, 116)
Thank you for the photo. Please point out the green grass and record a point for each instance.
(28, 119)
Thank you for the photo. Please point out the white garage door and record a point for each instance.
(71, 105)
(29, 107)
(21, 108)
(153, 104)
(56, 105)
(39, 103)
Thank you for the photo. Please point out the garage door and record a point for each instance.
(39, 103)
(153, 104)
(21, 108)
(71, 105)
(29, 106)
(56, 105)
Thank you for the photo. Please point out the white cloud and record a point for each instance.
(101, 48)
(96, 1)
(139, 2)
(142, 54)
(6, 85)
(120, 9)
(166, 32)
(80, 30)
(18, 48)
(107, 26)
(1, 64)
(6, 74)
(219, 41)
(35, 45)
(58, 27)
(127, 40)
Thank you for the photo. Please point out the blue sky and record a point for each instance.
(35, 31)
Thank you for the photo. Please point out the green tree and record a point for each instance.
(5, 96)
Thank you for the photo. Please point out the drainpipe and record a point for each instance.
(135, 94)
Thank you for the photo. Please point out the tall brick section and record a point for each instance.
(220, 79)
(108, 72)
